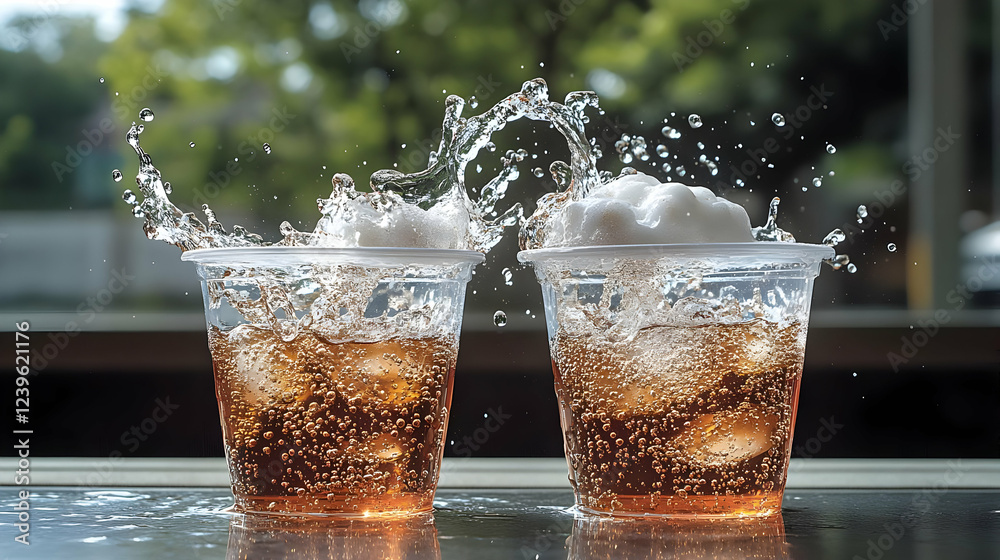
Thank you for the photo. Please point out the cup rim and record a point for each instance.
(368, 256)
(766, 250)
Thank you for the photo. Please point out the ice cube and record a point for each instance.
(728, 437)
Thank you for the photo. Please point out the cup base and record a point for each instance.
(688, 507)
(336, 506)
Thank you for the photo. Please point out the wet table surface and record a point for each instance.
(152, 523)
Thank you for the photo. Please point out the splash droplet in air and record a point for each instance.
(500, 319)
(831, 149)
(694, 120)
(891, 247)
(671, 132)
(116, 175)
(508, 277)
(817, 181)
(129, 197)
(862, 213)
(146, 114)
(191, 144)
(852, 268)
(539, 172)
(267, 148)
(102, 80)
(834, 237)
(662, 151)
(778, 119)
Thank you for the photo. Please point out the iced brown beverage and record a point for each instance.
(683, 420)
(677, 372)
(314, 426)
(333, 372)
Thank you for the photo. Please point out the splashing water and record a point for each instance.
(770, 230)
(398, 197)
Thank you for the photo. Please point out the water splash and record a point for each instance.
(770, 230)
(441, 185)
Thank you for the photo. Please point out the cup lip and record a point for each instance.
(775, 251)
(368, 256)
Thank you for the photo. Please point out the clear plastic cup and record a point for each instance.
(677, 371)
(333, 371)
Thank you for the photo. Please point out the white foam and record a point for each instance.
(638, 209)
(357, 223)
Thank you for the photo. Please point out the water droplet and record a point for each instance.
(138, 212)
(817, 181)
(862, 213)
(681, 171)
(852, 268)
(128, 196)
(694, 120)
(102, 80)
(500, 319)
(508, 277)
(662, 151)
(539, 172)
(473, 102)
(671, 132)
(831, 149)
(146, 114)
(778, 119)
(834, 237)
(491, 146)
(891, 247)
(116, 175)
(267, 148)
(167, 188)
(191, 144)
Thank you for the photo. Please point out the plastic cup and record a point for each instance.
(333, 372)
(677, 371)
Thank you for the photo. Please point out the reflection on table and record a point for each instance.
(263, 537)
(608, 538)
